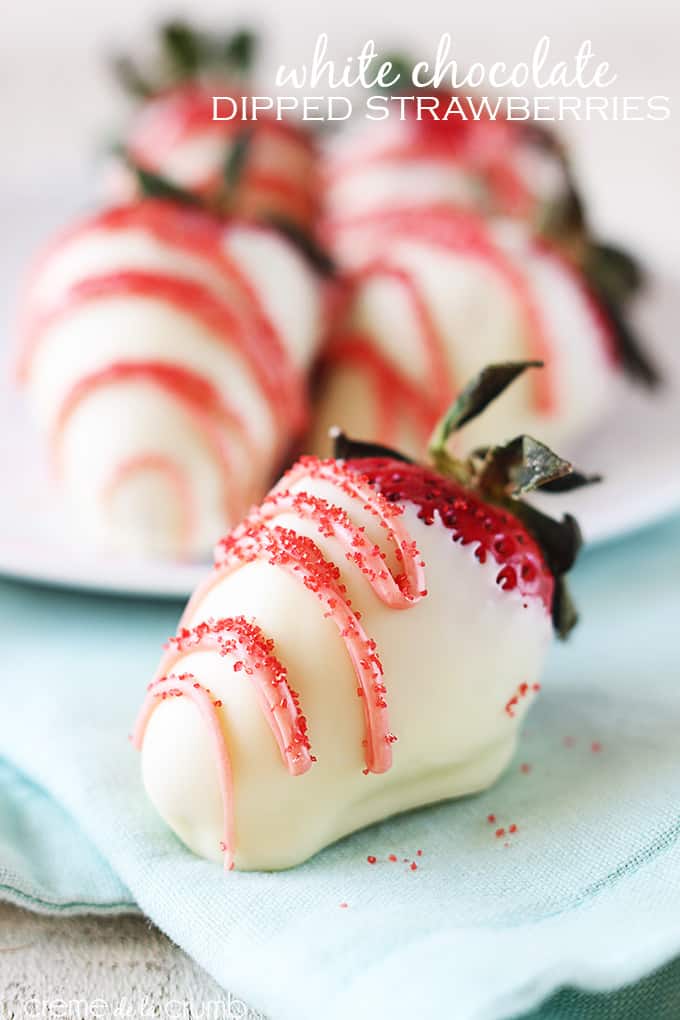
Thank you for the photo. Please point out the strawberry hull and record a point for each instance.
(175, 136)
(494, 533)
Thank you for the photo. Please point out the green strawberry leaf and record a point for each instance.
(182, 47)
(152, 185)
(318, 258)
(345, 448)
(634, 360)
(237, 158)
(565, 216)
(240, 49)
(503, 475)
(131, 79)
(560, 541)
(521, 465)
(476, 396)
(185, 52)
(567, 483)
(613, 271)
(564, 613)
(402, 66)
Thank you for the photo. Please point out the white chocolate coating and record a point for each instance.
(397, 164)
(143, 468)
(451, 663)
(174, 135)
(480, 317)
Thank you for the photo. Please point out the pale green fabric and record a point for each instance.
(588, 893)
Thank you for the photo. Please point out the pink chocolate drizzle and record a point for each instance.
(380, 487)
(259, 537)
(186, 685)
(279, 172)
(236, 319)
(253, 654)
(172, 472)
(485, 149)
(211, 417)
(454, 231)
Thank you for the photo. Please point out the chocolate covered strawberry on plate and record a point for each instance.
(368, 641)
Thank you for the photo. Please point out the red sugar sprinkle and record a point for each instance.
(283, 547)
(499, 833)
(414, 866)
(392, 857)
(235, 635)
(596, 746)
(525, 768)
(522, 691)
(371, 859)
(497, 533)
(491, 819)
(419, 853)
(344, 906)
(513, 828)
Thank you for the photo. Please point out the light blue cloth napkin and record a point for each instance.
(47, 864)
(587, 893)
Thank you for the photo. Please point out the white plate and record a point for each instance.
(637, 449)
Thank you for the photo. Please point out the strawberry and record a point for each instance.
(261, 170)
(172, 324)
(435, 293)
(317, 657)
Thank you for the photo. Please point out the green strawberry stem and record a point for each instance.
(502, 475)
(186, 53)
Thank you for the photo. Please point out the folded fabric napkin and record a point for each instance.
(586, 891)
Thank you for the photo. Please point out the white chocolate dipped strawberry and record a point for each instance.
(261, 169)
(311, 688)
(164, 353)
(450, 150)
(434, 294)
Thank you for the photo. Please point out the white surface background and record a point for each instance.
(58, 100)
(59, 105)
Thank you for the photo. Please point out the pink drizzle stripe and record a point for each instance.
(412, 588)
(259, 538)
(194, 394)
(253, 654)
(278, 701)
(161, 464)
(301, 558)
(202, 236)
(441, 382)
(187, 685)
(464, 232)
